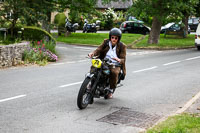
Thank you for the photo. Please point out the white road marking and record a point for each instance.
(81, 60)
(84, 48)
(11, 98)
(193, 58)
(71, 84)
(143, 52)
(188, 104)
(170, 63)
(145, 69)
(58, 64)
(71, 62)
(62, 47)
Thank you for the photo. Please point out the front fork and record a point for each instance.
(94, 85)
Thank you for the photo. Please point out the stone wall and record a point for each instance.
(11, 55)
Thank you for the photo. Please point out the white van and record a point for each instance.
(197, 37)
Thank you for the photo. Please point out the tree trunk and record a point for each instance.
(155, 31)
(67, 33)
(185, 21)
(46, 23)
(12, 28)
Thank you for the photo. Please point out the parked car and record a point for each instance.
(197, 37)
(172, 27)
(193, 23)
(134, 27)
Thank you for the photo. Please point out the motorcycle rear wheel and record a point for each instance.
(83, 98)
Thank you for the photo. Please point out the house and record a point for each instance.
(116, 5)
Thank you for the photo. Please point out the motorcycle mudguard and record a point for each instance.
(89, 75)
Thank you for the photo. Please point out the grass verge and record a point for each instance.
(95, 38)
(131, 40)
(184, 123)
(168, 42)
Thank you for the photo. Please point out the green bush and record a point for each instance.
(8, 40)
(34, 57)
(40, 53)
(60, 19)
(36, 34)
(6, 24)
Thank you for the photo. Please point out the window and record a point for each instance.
(136, 24)
(196, 20)
(190, 21)
(140, 25)
(131, 24)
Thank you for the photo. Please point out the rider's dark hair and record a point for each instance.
(115, 32)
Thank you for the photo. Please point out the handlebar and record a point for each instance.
(106, 60)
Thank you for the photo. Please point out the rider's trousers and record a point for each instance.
(114, 77)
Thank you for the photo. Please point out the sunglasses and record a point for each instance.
(116, 38)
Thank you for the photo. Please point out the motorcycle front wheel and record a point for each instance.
(84, 97)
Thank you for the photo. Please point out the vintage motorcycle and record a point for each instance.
(96, 83)
(71, 27)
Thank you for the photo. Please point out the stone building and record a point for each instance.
(116, 5)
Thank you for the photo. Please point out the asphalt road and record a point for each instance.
(37, 99)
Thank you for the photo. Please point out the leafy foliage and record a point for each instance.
(39, 11)
(77, 7)
(161, 12)
(109, 16)
(60, 19)
(11, 11)
(8, 40)
(40, 53)
(35, 33)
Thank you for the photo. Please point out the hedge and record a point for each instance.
(36, 34)
(60, 19)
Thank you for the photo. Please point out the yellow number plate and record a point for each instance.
(96, 63)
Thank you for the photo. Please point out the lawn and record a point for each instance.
(94, 38)
(170, 41)
(184, 123)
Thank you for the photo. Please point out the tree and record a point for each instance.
(187, 8)
(11, 11)
(32, 11)
(40, 11)
(77, 7)
(197, 10)
(160, 11)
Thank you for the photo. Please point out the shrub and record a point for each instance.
(8, 40)
(35, 33)
(109, 16)
(40, 53)
(60, 19)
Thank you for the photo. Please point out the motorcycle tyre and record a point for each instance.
(81, 93)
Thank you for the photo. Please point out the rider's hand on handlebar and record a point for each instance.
(91, 55)
(117, 59)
